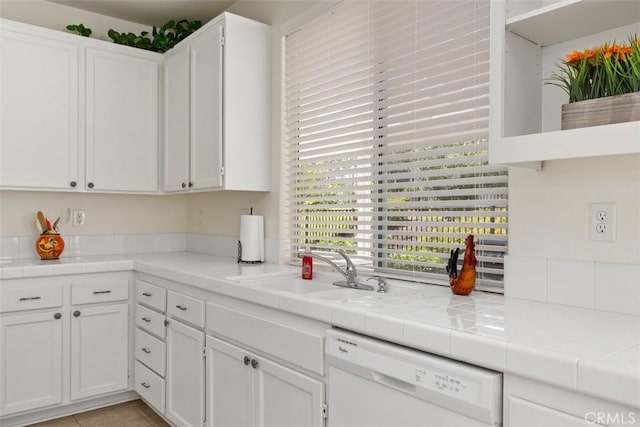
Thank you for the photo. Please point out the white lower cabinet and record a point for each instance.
(185, 375)
(30, 361)
(150, 386)
(64, 340)
(523, 413)
(529, 403)
(99, 350)
(247, 390)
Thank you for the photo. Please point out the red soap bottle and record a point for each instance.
(307, 265)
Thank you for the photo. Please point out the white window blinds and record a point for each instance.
(386, 115)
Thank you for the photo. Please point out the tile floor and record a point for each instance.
(130, 414)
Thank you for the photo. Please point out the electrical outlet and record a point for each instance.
(78, 217)
(602, 222)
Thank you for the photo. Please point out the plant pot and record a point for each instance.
(49, 246)
(601, 111)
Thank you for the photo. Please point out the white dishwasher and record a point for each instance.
(375, 383)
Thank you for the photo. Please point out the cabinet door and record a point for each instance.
(523, 413)
(285, 398)
(176, 120)
(99, 350)
(30, 361)
(229, 385)
(38, 112)
(185, 375)
(206, 109)
(122, 121)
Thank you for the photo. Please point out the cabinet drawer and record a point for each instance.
(151, 295)
(29, 296)
(186, 308)
(151, 321)
(103, 290)
(150, 351)
(298, 347)
(149, 386)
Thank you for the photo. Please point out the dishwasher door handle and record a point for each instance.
(393, 382)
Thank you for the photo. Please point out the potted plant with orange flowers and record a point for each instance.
(603, 84)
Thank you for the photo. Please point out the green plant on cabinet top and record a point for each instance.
(162, 39)
(80, 29)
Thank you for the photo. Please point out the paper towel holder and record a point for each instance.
(253, 258)
(240, 260)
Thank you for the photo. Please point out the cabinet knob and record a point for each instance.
(146, 350)
(247, 361)
(254, 363)
(90, 185)
(146, 294)
(76, 313)
(57, 315)
(73, 184)
(145, 385)
(190, 184)
(184, 185)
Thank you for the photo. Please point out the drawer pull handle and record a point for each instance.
(246, 361)
(254, 363)
(145, 385)
(181, 307)
(146, 294)
(101, 292)
(76, 313)
(146, 350)
(146, 319)
(29, 298)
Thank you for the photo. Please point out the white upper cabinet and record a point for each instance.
(122, 119)
(528, 40)
(85, 115)
(39, 110)
(176, 119)
(206, 107)
(77, 114)
(228, 102)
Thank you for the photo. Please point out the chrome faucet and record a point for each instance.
(350, 273)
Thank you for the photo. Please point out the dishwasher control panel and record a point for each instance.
(454, 385)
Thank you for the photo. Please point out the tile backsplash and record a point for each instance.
(588, 284)
(22, 247)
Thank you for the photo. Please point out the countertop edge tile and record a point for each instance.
(623, 387)
(482, 351)
(543, 365)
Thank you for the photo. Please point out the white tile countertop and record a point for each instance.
(589, 351)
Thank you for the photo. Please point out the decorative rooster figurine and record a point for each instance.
(463, 283)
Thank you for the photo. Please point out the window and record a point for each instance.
(387, 112)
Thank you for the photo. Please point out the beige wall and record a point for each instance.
(549, 210)
(105, 213)
(56, 16)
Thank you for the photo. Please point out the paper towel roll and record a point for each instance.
(252, 238)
